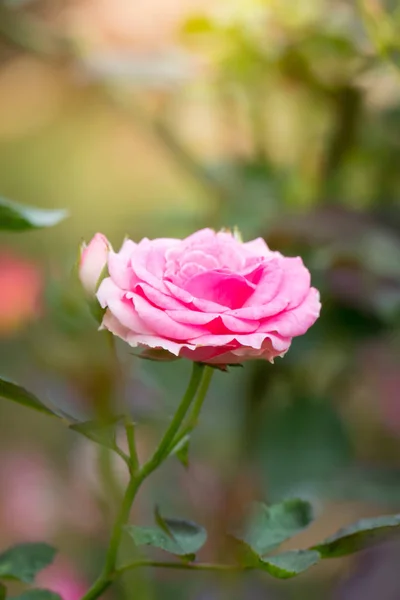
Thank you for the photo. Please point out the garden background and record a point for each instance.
(156, 118)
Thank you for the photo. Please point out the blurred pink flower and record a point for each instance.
(27, 510)
(21, 285)
(63, 579)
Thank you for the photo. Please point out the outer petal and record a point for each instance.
(296, 282)
(296, 321)
(153, 341)
(284, 285)
(120, 306)
(268, 287)
(112, 324)
(224, 355)
(251, 340)
(119, 265)
(257, 247)
(148, 261)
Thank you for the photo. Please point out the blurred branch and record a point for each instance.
(31, 35)
(183, 157)
(382, 29)
(347, 102)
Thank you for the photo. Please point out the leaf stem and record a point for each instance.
(180, 566)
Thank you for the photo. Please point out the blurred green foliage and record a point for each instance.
(285, 122)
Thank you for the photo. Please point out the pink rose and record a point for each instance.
(209, 297)
(92, 261)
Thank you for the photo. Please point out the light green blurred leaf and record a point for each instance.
(37, 594)
(18, 217)
(179, 537)
(18, 394)
(24, 561)
(360, 535)
(198, 24)
(269, 526)
(289, 564)
(101, 432)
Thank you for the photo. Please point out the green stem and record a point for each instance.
(130, 436)
(111, 485)
(165, 445)
(137, 478)
(197, 406)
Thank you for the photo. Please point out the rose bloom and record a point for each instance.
(210, 297)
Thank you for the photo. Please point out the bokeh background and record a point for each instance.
(156, 118)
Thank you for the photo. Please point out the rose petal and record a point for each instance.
(161, 323)
(296, 321)
(121, 307)
(164, 301)
(227, 289)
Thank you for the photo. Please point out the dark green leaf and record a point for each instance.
(101, 432)
(269, 526)
(3, 592)
(24, 561)
(302, 444)
(289, 564)
(37, 594)
(182, 538)
(18, 394)
(358, 536)
(17, 217)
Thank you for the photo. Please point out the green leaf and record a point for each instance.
(101, 432)
(24, 561)
(3, 592)
(18, 217)
(269, 526)
(181, 450)
(289, 564)
(182, 538)
(37, 594)
(18, 394)
(358, 536)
